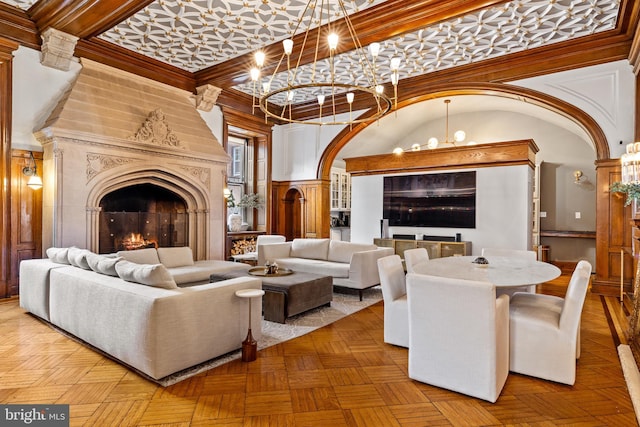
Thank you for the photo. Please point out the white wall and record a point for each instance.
(297, 149)
(503, 202)
(215, 121)
(606, 92)
(36, 91)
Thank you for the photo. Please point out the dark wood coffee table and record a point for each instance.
(288, 295)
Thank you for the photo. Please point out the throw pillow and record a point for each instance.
(78, 257)
(310, 248)
(175, 257)
(58, 255)
(146, 274)
(103, 264)
(141, 256)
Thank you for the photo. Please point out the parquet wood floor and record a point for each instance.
(340, 375)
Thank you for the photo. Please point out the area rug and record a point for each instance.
(273, 333)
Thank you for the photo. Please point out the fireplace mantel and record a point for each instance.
(112, 130)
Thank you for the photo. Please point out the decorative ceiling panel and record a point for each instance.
(513, 27)
(20, 4)
(197, 34)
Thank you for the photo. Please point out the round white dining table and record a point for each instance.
(502, 271)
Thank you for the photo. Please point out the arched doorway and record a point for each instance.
(548, 102)
(293, 214)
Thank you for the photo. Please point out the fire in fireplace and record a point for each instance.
(137, 241)
(142, 216)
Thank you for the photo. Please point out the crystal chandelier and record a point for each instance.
(630, 162)
(317, 85)
(433, 142)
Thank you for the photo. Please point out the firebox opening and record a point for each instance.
(142, 216)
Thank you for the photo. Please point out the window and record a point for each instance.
(236, 150)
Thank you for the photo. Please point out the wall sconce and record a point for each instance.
(226, 192)
(31, 170)
(577, 175)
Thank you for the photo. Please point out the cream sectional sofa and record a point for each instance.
(352, 265)
(154, 326)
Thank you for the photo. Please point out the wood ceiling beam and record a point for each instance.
(83, 18)
(587, 51)
(118, 57)
(17, 26)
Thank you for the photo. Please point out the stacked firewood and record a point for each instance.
(243, 246)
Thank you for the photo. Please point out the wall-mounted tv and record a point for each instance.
(431, 200)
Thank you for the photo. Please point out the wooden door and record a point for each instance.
(26, 217)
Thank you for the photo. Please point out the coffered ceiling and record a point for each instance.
(188, 43)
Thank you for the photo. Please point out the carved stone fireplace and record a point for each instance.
(116, 133)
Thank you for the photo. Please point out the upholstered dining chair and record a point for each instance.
(394, 294)
(515, 253)
(545, 330)
(415, 256)
(458, 335)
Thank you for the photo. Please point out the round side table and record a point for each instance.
(249, 345)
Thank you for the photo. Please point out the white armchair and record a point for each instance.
(415, 256)
(458, 335)
(515, 253)
(263, 239)
(544, 330)
(394, 293)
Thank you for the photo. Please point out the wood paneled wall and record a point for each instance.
(6, 95)
(301, 208)
(613, 232)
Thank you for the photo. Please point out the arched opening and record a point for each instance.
(525, 95)
(293, 214)
(141, 216)
(579, 142)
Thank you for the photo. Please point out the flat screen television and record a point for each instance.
(445, 200)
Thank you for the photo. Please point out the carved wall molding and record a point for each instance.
(97, 163)
(156, 130)
(199, 173)
(206, 97)
(57, 49)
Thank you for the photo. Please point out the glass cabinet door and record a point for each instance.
(335, 190)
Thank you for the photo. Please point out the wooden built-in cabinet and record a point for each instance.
(436, 249)
(612, 233)
(301, 209)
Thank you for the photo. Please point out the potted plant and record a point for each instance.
(251, 201)
(234, 220)
(632, 190)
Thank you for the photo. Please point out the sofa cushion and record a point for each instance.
(141, 256)
(175, 257)
(146, 274)
(201, 270)
(78, 257)
(310, 248)
(103, 264)
(342, 251)
(315, 266)
(58, 255)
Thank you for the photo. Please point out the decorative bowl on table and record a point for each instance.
(481, 262)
